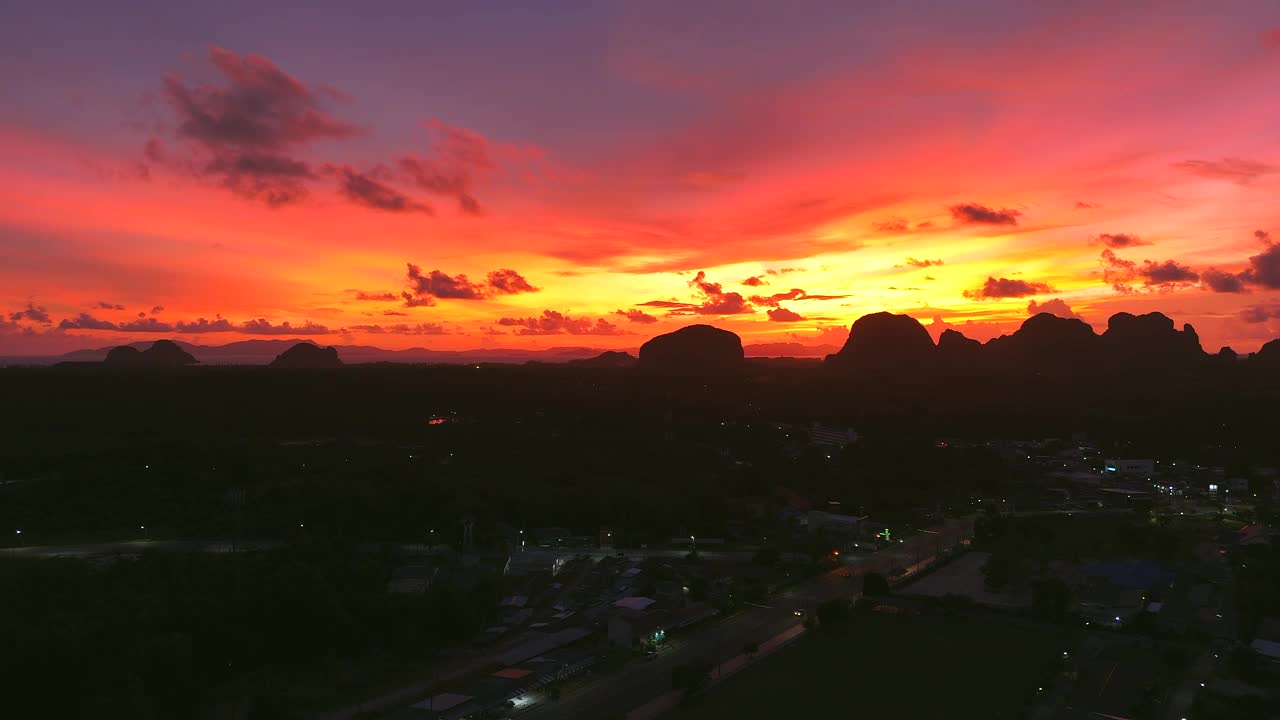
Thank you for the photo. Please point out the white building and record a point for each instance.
(833, 524)
(1137, 467)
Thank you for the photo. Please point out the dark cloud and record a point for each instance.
(890, 226)
(85, 321)
(1221, 281)
(364, 296)
(456, 154)
(1082, 205)
(508, 282)
(394, 313)
(34, 313)
(715, 301)
(1120, 240)
(263, 327)
(1168, 273)
(146, 325)
(401, 329)
(1271, 38)
(781, 314)
(1237, 170)
(103, 305)
(974, 214)
(636, 316)
(1260, 313)
(922, 263)
(154, 150)
(1264, 268)
(755, 281)
(784, 271)
(156, 309)
(363, 190)
(996, 288)
(555, 323)
(411, 300)
(440, 285)
(930, 277)
(203, 325)
(1055, 306)
(671, 304)
(792, 294)
(259, 326)
(242, 132)
(1117, 272)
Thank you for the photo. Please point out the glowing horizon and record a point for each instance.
(597, 175)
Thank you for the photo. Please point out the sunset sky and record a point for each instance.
(537, 174)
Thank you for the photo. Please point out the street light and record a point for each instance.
(21, 540)
(145, 535)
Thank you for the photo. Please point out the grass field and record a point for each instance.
(885, 666)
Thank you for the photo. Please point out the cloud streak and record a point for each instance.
(975, 214)
(1000, 288)
(1231, 169)
(551, 322)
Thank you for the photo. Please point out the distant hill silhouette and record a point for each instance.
(885, 341)
(608, 359)
(306, 355)
(1140, 338)
(956, 350)
(1269, 353)
(263, 352)
(161, 354)
(1147, 343)
(694, 348)
(787, 350)
(1045, 341)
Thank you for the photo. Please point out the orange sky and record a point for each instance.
(957, 169)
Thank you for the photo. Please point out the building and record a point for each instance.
(412, 579)
(835, 526)
(1136, 467)
(631, 628)
(831, 437)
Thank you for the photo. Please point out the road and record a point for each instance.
(610, 697)
(131, 547)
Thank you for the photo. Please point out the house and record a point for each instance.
(824, 436)
(630, 628)
(1113, 592)
(835, 526)
(412, 579)
(1136, 467)
(670, 593)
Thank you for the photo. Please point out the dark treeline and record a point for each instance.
(93, 451)
(257, 635)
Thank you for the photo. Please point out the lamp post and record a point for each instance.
(21, 540)
(146, 535)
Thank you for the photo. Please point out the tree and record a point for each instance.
(833, 610)
(690, 676)
(1002, 570)
(767, 556)
(874, 585)
(1050, 598)
(698, 589)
